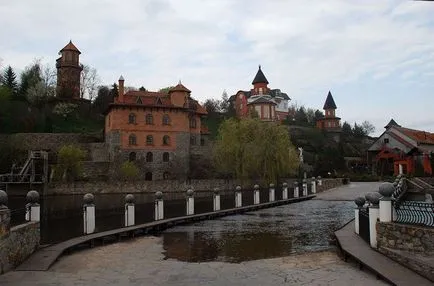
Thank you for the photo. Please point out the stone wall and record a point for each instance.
(406, 237)
(17, 244)
(329, 184)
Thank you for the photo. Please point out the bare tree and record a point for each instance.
(89, 81)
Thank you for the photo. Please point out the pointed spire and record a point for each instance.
(70, 47)
(392, 123)
(260, 77)
(121, 78)
(330, 102)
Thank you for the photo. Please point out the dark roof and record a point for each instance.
(70, 47)
(392, 123)
(260, 77)
(262, 100)
(329, 103)
(277, 92)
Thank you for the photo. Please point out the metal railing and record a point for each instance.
(412, 212)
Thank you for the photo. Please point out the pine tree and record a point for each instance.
(9, 79)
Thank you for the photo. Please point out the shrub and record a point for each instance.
(69, 163)
(129, 170)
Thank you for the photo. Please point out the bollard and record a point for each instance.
(319, 181)
(284, 191)
(296, 192)
(374, 214)
(5, 214)
(33, 209)
(190, 202)
(159, 206)
(256, 197)
(129, 210)
(304, 187)
(238, 197)
(88, 213)
(3, 200)
(313, 185)
(360, 201)
(271, 193)
(386, 190)
(216, 199)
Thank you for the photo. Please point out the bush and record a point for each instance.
(129, 170)
(69, 163)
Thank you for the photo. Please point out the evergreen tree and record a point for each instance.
(358, 130)
(346, 128)
(9, 80)
(142, 88)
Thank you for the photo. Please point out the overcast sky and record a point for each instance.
(376, 56)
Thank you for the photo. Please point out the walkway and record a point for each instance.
(392, 271)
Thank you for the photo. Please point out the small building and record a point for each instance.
(158, 131)
(400, 147)
(268, 104)
(68, 72)
(330, 122)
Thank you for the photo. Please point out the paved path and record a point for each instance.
(348, 192)
(141, 262)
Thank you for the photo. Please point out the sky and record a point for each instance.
(375, 56)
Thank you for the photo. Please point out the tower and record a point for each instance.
(329, 121)
(260, 83)
(68, 72)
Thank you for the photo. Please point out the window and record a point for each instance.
(193, 140)
(166, 175)
(166, 140)
(386, 140)
(202, 142)
(261, 91)
(132, 118)
(166, 119)
(132, 156)
(149, 119)
(148, 176)
(132, 139)
(149, 157)
(166, 157)
(192, 123)
(149, 140)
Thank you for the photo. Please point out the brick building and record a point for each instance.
(268, 104)
(158, 131)
(68, 72)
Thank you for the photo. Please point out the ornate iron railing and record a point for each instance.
(411, 212)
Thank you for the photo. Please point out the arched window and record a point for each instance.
(166, 175)
(132, 140)
(149, 119)
(193, 140)
(166, 140)
(166, 119)
(149, 157)
(166, 157)
(192, 123)
(149, 140)
(132, 118)
(132, 156)
(148, 176)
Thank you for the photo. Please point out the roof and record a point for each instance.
(273, 93)
(70, 47)
(262, 100)
(421, 137)
(330, 102)
(260, 77)
(179, 87)
(392, 123)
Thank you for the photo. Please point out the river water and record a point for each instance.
(275, 232)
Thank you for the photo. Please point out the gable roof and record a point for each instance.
(260, 77)
(70, 47)
(273, 93)
(421, 137)
(262, 100)
(330, 102)
(392, 123)
(179, 87)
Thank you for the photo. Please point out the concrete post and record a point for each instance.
(216, 200)
(159, 206)
(88, 214)
(374, 214)
(129, 210)
(360, 201)
(401, 169)
(296, 192)
(284, 191)
(33, 209)
(319, 181)
(5, 214)
(271, 193)
(313, 185)
(190, 202)
(304, 188)
(386, 212)
(238, 197)
(256, 197)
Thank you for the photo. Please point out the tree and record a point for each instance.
(346, 128)
(38, 94)
(368, 127)
(212, 106)
(129, 170)
(249, 148)
(142, 88)
(103, 99)
(64, 109)
(89, 81)
(318, 115)
(310, 115)
(358, 130)
(9, 80)
(300, 116)
(114, 91)
(69, 163)
(31, 75)
(165, 89)
(224, 102)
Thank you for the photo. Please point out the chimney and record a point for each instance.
(121, 89)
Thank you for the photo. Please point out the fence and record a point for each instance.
(418, 213)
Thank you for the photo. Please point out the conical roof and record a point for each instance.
(70, 47)
(392, 123)
(330, 102)
(260, 77)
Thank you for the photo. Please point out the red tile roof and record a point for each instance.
(421, 137)
(179, 87)
(70, 47)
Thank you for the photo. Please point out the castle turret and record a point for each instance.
(330, 121)
(260, 82)
(68, 72)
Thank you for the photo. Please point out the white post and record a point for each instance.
(360, 201)
(401, 169)
(88, 214)
(386, 209)
(285, 191)
(129, 210)
(319, 181)
(190, 202)
(313, 185)
(296, 192)
(304, 188)
(271, 193)
(158, 206)
(238, 198)
(373, 217)
(216, 200)
(256, 198)
(33, 209)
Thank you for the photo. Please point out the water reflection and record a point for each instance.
(276, 232)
